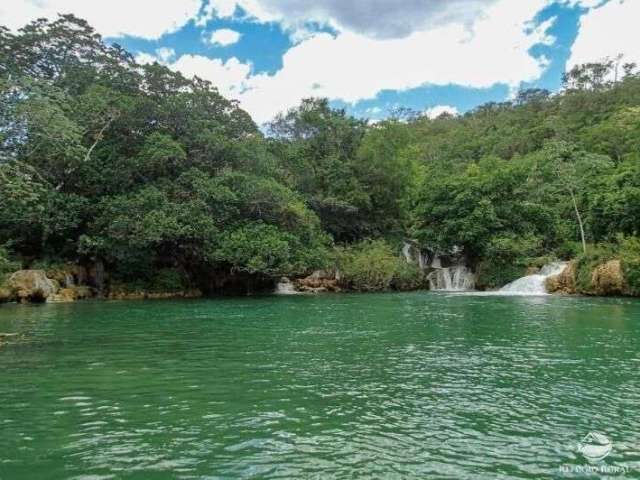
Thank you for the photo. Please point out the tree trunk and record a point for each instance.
(575, 207)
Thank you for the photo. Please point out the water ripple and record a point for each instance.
(376, 386)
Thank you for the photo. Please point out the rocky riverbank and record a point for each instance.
(74, 282)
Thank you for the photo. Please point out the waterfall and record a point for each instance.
(534, 284)
(452, 279)
(285, 287)
(406, 252)
(413, 254)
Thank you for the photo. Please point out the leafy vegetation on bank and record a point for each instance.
(168, 184)
(373, 265)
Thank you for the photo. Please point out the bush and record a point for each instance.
(630, 254)
(407, 276)
(164, 280)
(7, 265)
(372, 265)
(367, 266)
(168, 280)
(507, 259)
(587, 262)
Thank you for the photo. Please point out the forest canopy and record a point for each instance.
(139, 168)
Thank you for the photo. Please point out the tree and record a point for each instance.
(575, 173)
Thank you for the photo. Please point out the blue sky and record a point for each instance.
(368, 56)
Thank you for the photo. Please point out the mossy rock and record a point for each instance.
(32, 285)
(6, 295)
(67, 295)
(565, 282)
(608, 279)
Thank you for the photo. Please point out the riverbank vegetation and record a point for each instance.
(154, 182)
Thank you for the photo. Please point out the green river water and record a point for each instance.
(412, 385)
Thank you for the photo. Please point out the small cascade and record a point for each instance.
(534, 284)
(406, 252)
(285, 287)
(452, 279)
(413, 254)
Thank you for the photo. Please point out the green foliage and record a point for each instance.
(150, 172)
(597, 254)
(373, 265)
(630, 255)
(507, 258)
(407, 276)
(367, 266)
(7, 264)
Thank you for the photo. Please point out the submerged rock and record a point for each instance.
(32, 285)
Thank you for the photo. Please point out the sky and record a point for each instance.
(367, 56)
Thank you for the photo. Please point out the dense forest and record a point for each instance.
(165, 185)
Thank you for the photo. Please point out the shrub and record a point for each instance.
(373, 265)
(585, 263)
(367, 266)
(507, 258)
(7, 265)
(169, 280)
(630, 255)
(407, 276)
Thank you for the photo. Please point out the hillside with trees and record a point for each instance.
(156, 182)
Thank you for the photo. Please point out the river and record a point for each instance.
(415, 385)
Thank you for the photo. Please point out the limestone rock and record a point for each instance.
(69, 275)
(32, 285)
(564, 283)
(6, 295)
(319, 281)
(67, 295)
(608, 279)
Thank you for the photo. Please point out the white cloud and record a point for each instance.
(352, 67)
(607, 31)
(373, 18)
(162, 55)
(230, 76)
(435, 112)
(224, 37)
(144, 58)
(378, 45)
(148, 19)
(165, 54)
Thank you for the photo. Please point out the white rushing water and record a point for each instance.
(285, 287)
(452, 279)
(533, 284)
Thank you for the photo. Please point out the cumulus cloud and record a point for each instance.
(607, 31)
(230, 76)
(377, 45)
(435, 112)
(224, 37)
(373, 18)
(148, 19)
(353, 67)
(162, 55)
